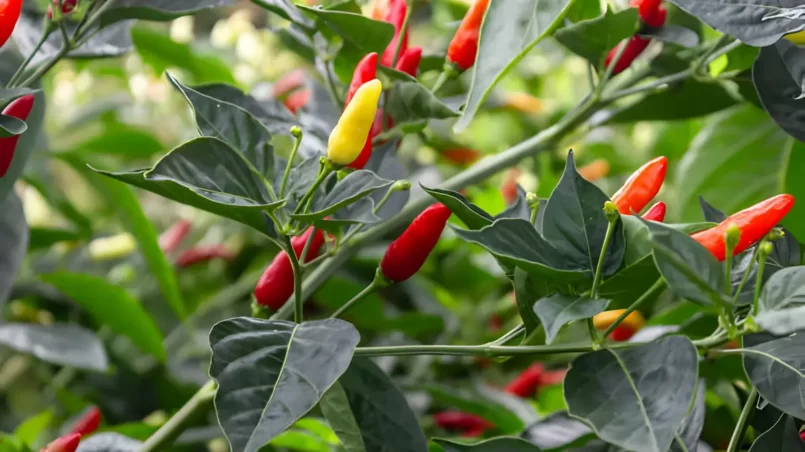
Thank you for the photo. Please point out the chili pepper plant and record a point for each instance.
(401, 225)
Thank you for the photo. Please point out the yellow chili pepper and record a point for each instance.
(797, 38)
(633, 321)
(350, 134)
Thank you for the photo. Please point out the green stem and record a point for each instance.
(298, 315)
(166, 434)
(368, 290)
(599, 268)
(326, 170)
(534, 213)
(740, 428)
(444, 77)
(602, 82)
(401, 35)
(488, 351)
(328, 76)
(728, 271)
(745, 277)
(761, 266)
(658, 286)
(289, 165)
(306, 248)
(30, 58)
(515, 332)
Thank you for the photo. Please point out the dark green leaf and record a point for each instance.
(112, 306)
(576, 226)
(690, 270)
(13, 241)
(635, 398)
(499, 444)
(10, 126)
(593, 39)
(509, 31)
(472, 216)
(527, 291)
(108, 42)
(673, 34)
(65, 345)
(692, 425)
(156, 10)
(385, 422)
(520, 209)
(271, 373)
(361, 31)
(759, 23)
(232, 125)
(411, 102)
(776, 370)
(350, 189)
(334, 404)
(9, 94)
(779, 77)
(271, 113)
(518, 244)
(557, 432)
(783, 437)
(629, 284)
(711, 213)
(690, 99)
(558, 310)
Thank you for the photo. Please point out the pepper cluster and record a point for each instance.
(653, 15)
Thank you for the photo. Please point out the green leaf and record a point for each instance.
(635, 398)
(286, 10)
(688, 99)
(412, 102)
(65, 345)
(557, 432)
(558, 310)
(499, 444)
(299, 440)
(10, 126)
(784, 288)
(517, 243)
(472, 216)
(691, 429)
(690, 270)
(270, 112)
(779, 79)
(723, 164)
(376, 408)
(593, 39)
(157, 10)
(112, 306)
(30, 429)
(123, 141)
(509, 31)
(159, 51)
(14, 237)
(673, 34)
(783, 437)
(576, 226)
(9, 94)
(271, 373)
(775, 368)
(355, 186)
(527, 291)
(759, 23)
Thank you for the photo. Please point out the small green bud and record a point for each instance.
(532, 200)
(296, 131)
(611, 211)
(732, 236)
(775, 234)
(765, 249)
(401, 185)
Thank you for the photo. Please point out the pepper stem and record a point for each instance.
(764, 249)
(296, 131)
(298, 315)
(326, 169)
(377, 283)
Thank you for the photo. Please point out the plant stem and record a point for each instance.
(326, 170)
(443, 78)
(488, 351)
(298, 315)
(517, 331)
(761, 266)
(740, 428)
(17, 75)
(658, 286)
(403, 30)
(171, 429)
(610, 69)
(306, 248)
(289, 165)
(745, 277)
(534, 214)
(599, 268)
(328, 76)
(374, 285)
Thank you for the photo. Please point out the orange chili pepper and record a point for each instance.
(594, 170)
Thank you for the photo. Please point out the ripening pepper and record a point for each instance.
(468, 424)
(405, 256)
(200, 254)
(365, 71)
(797, 38)
(646, 9)
(636, 45)
(349, 136)
(754, 223)
(9, 15)
(527, 382)
(509, 186)
(20, 109)
(276, 285)
(88, 423)
(461, 156)
(626, 329)
(409, 60)
(67, 7)
(289, 82)
(173, 237)
(296, 100)
(553, 377)
(656, 212)
(463, 49)
(594, 170)
(66, 443)
(641, 187)
(395, 15)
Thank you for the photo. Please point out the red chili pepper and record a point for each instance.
(656, 212)
(395, 15)
(405, 256)
(466, 423)
(172, 238)
(646, 8)
(276, 285)
(553, 377)
(527, 383)
(9, 15)
(19, 109)
(509, 186)
(461, 156)
(67, 7)
(641, 187)
(66, 443)
(409, 60)
(634, 48)
(464, 46)
(297, 99)
(289, 82)
(200, 254)
(657, 19)
(88, 423)
(754, 223)
(621, 333)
